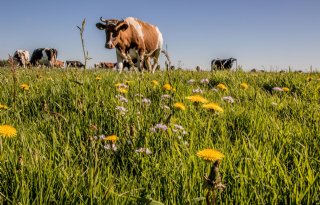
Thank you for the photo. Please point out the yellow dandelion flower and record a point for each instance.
(122, 90)
(121, 85)
(98, 78)
(112, 138)
(244, 86)
(179, 106)
(309, 79)
(24, 86)
(213, 106)
(210, 155)
(222, 86)
(7, 131)
(3, 107)
(197, 99)
(285, 89)
(155, 83)
(167, 86)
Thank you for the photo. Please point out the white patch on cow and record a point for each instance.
(44, 59)
(23, 56)
(132, 21)
(160, 38)
(133, 53)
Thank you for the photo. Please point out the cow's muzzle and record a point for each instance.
(109, 45)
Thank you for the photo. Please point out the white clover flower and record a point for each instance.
(198, 90)
(147, 151)
(179, 127)
(146, 101)
(152, 129)
(277, 89)
(191, 81)
(204, 81)
(110, 147)
(165, 96)
(229, 99)
(165, 107)
(214, 90)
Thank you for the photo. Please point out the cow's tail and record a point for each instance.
(165, 53)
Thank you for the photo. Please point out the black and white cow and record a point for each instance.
(76, 64)
(21, 57)
(222, 64)
(44, 56)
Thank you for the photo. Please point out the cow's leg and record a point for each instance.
(121, 56)
(141, 60)
(156, 60)
(119, 61)
(132, 65)
(148, 63)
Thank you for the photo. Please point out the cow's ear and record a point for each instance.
(122, 26)
(101, 26)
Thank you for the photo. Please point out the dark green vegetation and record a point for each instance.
(270, 139)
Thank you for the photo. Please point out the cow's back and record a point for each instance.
(36, 55)
(150, 34)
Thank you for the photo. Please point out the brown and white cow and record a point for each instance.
(44, 56)
(133, 39)
(21, 57)
(106, 65)
(59, 64)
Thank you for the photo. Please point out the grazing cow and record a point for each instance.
(76, 64)
(21, 57)
(44, 56)
(221, 64)
(133, 39)
(106, 65)
(59, 64)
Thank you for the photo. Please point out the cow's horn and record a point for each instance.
(103, 20)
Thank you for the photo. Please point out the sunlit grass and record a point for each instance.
(270, 139)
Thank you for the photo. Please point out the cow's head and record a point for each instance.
(232, 60)
(112, 28)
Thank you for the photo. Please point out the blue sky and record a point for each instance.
(273, 34)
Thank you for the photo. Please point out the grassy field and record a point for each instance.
(270, 138)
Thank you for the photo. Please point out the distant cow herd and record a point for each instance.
(138, 45)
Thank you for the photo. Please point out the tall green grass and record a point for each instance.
(271, 151)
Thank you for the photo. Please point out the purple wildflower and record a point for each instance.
(122, 110)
